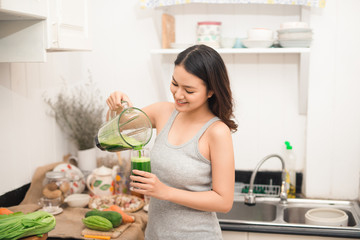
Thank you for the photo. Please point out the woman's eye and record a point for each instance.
(173, 83)
(189, 92)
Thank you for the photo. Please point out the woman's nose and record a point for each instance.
(179, 93)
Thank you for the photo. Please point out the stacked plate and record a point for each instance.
(295, 35)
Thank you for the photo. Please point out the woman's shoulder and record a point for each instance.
(218, 129)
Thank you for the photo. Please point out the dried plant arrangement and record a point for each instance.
(79, 111)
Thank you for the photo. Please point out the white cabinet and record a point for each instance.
(22, 30)
(265, 236)
(234, 235)
(68, 25)
(20, 9)
(30, 28)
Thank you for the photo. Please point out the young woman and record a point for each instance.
(192, 160)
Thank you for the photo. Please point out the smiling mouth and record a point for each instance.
(181, 102)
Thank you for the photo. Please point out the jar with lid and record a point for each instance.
(56, 185)
(208, 33)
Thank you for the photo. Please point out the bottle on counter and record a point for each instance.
(290, 164)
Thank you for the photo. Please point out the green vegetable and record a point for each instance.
(18, 225)
(97, 223)
(114, 217)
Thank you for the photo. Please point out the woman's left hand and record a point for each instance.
(148, 184)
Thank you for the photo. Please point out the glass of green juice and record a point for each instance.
(140, 159)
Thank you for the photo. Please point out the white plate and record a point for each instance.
(53, 210)
(257, 43)
(77, 182)
(295, 35)
(288, 30)
(292, 43)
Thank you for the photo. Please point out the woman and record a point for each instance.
(192, 159)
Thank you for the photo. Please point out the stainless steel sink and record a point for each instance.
(269, 215)
(297, 215)
(265, 212)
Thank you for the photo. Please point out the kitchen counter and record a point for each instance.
(269, 215)
(263, 228)
(69, 224)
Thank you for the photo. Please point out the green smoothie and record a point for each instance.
(116, 143)
(141, 163)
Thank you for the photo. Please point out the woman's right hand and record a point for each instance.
(114, 101)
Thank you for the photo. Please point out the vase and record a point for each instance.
(87, 159)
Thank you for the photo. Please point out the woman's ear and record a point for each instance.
(210, 93)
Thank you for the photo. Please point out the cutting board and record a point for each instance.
(115, 233)
(168, 30)
(44, 237)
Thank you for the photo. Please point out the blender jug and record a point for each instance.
(131, 129)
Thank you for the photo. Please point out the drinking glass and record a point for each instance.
(140, 160)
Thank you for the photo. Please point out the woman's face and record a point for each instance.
(189, 91)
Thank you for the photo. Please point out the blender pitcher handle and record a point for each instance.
(113, 114)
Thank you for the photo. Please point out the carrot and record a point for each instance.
(125, 217)
(5, 211)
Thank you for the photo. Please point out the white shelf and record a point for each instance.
(239, 50)
(163, 3)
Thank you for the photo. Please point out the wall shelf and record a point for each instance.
(304, 54)
(164, 3)
(239, 50)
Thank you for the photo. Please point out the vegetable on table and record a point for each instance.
(18, 225)
(125, 217)
(97, 223)
(97, 237)
(5, 211)
(114, 217)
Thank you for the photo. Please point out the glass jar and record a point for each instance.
(209, 33)
(55, 185)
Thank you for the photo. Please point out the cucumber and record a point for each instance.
(114, 217)
(97, 223)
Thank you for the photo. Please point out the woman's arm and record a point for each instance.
(220, 198)
(157, 112)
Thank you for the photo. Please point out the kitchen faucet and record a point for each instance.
(250, 197)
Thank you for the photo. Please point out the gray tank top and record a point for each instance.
(182, 167)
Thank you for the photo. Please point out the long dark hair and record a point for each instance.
(207, 64)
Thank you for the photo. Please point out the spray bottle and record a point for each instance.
(290, 164)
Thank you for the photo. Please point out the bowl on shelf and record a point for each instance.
(227, 42)
(257, 43)
(263, 34)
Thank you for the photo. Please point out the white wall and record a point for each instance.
(120, 60)
(333, 129)
(265, 88)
